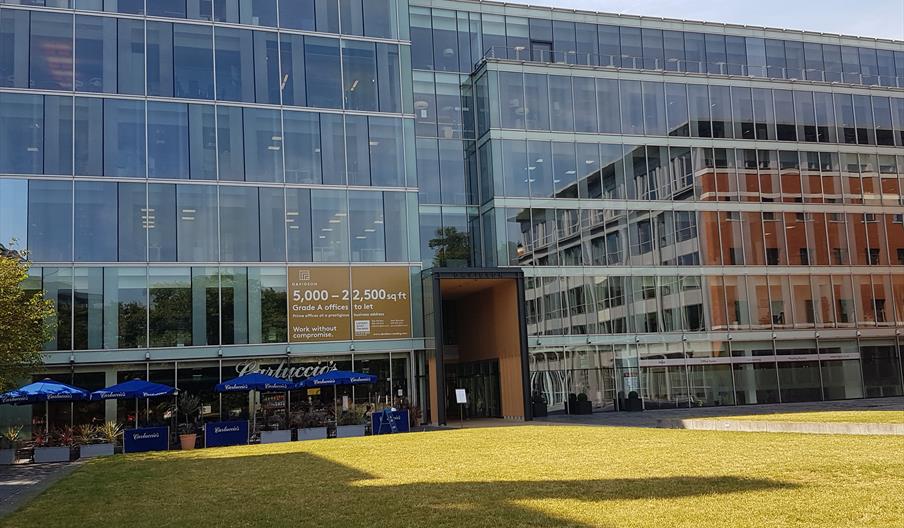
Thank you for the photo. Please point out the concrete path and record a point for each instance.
(668, 417)
(20, 483)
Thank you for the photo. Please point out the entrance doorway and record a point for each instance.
(480, 344)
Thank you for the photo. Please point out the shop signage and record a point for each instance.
(284, 370)
(391, 422)
(145, 439)
(219, 434)
(334, 303)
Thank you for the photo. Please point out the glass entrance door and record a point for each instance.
(481, 381)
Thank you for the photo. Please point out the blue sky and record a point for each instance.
(868, 18)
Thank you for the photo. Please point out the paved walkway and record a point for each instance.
(658, 418)
(22, 482)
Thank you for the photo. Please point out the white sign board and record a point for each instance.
(461, 396)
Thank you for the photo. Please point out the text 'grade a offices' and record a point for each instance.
(327, 302)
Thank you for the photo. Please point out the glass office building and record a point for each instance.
(703, 214)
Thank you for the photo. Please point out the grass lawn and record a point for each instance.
(884, 417)
(508, 476)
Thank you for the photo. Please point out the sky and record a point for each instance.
(866, 18)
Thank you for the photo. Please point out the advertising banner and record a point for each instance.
(319, 309)
(381, 307)
(390, 422)
(332, 303)
(145, 439)
(220, 434)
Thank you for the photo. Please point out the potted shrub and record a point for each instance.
(583, 405)
(9, 442)
(350, 424)
(99, 440)
(190, 407)
(312, 426)
(53, 448)
(539, 405)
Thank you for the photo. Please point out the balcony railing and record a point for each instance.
(522, 53)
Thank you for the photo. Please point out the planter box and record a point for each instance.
(349, 431)
(7, 457)
(540, 410)
(312, 433)
(580, 407)
(273, 437)
(45, 455)
(96, 450)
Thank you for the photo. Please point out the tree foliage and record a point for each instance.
(24, 321)
(452, 247)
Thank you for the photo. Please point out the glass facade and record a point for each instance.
(166, 164)
(693, 226)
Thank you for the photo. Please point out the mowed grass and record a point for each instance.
(508, 476)
(879, 417)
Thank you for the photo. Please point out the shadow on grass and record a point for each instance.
(292, 488)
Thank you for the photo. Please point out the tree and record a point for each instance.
(452, 245)
(24, 321)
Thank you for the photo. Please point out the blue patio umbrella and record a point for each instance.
(46, 390)
(135, 388)
(335, 378)
(257, 382)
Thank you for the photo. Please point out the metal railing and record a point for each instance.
(525, 54)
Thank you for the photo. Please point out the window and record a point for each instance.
(130, 61)
(160, 59)
(14, 48)
(193, 61)
(631, 107)
(263, 145)
(380, 18)
(537, 102)
(654, 108)
(357, 150)
(170, 307)
(196, 213)
(292, 66)
(239, 224)
(653, 55)
(272, 224)
(367, 226)
(124, 138)
(297, 14)
(50, 221)
(387, 155)
(302, 152)
(51, 51)
(673, 59)
(421, 39)
(202, 142)
(235, 64)
(323, 72)
(677, 110)
(21, 138)
(360, 75)
(266, 67)
(168, 8)
(230, 143)
(561, 103)
(95, 54)
(715, 54)
(585, 117)
(135, 219)
(95, 222)
(631, 47)
(298, 225)
(445, 41)
(168, 140)
(329, 219)
(389, 78)
(332, 134)
(258, 12)
(125, 305)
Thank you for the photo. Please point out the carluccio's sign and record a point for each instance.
(334, 303)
